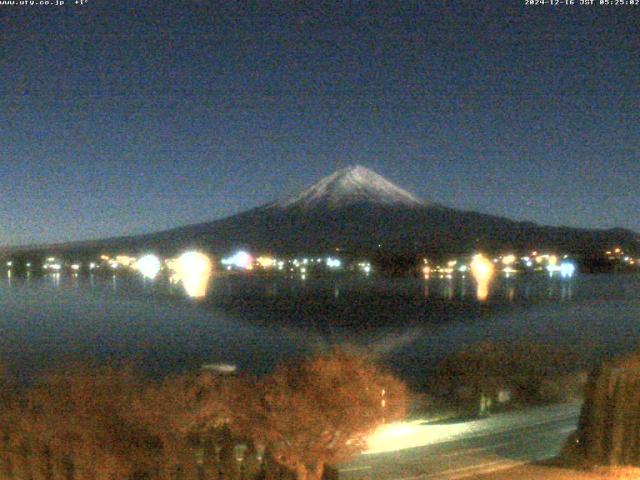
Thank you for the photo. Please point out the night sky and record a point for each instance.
(124, 117)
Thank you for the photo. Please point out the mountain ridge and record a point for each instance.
(357, 210)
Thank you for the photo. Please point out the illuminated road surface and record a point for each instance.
(418, 450)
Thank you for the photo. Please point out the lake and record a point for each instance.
(255, 322)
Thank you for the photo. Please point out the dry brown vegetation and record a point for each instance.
(609, 428)
(532, 374)
(321, 410)
(109, 423)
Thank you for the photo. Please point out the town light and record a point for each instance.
(482, 270)
(148, 265)
(266, 262)
(125, 260)
(567, 269)
(193, 269)
(240, 259)
(333, 262)
(509, 259)
(552, 269)
(426, 270)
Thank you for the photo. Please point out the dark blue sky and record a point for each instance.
(125, 117)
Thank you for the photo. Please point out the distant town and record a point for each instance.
(193, 262)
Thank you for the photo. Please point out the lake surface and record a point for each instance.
(255, 322)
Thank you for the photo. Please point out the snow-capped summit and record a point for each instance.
(351, 186)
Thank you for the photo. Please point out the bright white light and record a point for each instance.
(567, 269)
(552, 269)
(148, 266)
(193, 269)
(463, 268)
(392, 437)
(333, 262)
(240, 259)
(75, 267)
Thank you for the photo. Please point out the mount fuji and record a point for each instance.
(357, 211)
(351, 186)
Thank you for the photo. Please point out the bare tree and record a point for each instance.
(169, 411)
(321, 410)
(107, 423)
(79, 423)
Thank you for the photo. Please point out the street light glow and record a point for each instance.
(148, 266)
(193, 269)
(240, 259)
(266, 262)
(567, 269)
(482, 270)
(392, 437)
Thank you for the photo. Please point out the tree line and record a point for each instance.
(111, 423)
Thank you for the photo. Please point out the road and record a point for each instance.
(420, 450)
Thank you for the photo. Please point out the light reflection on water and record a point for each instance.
(256, 322)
